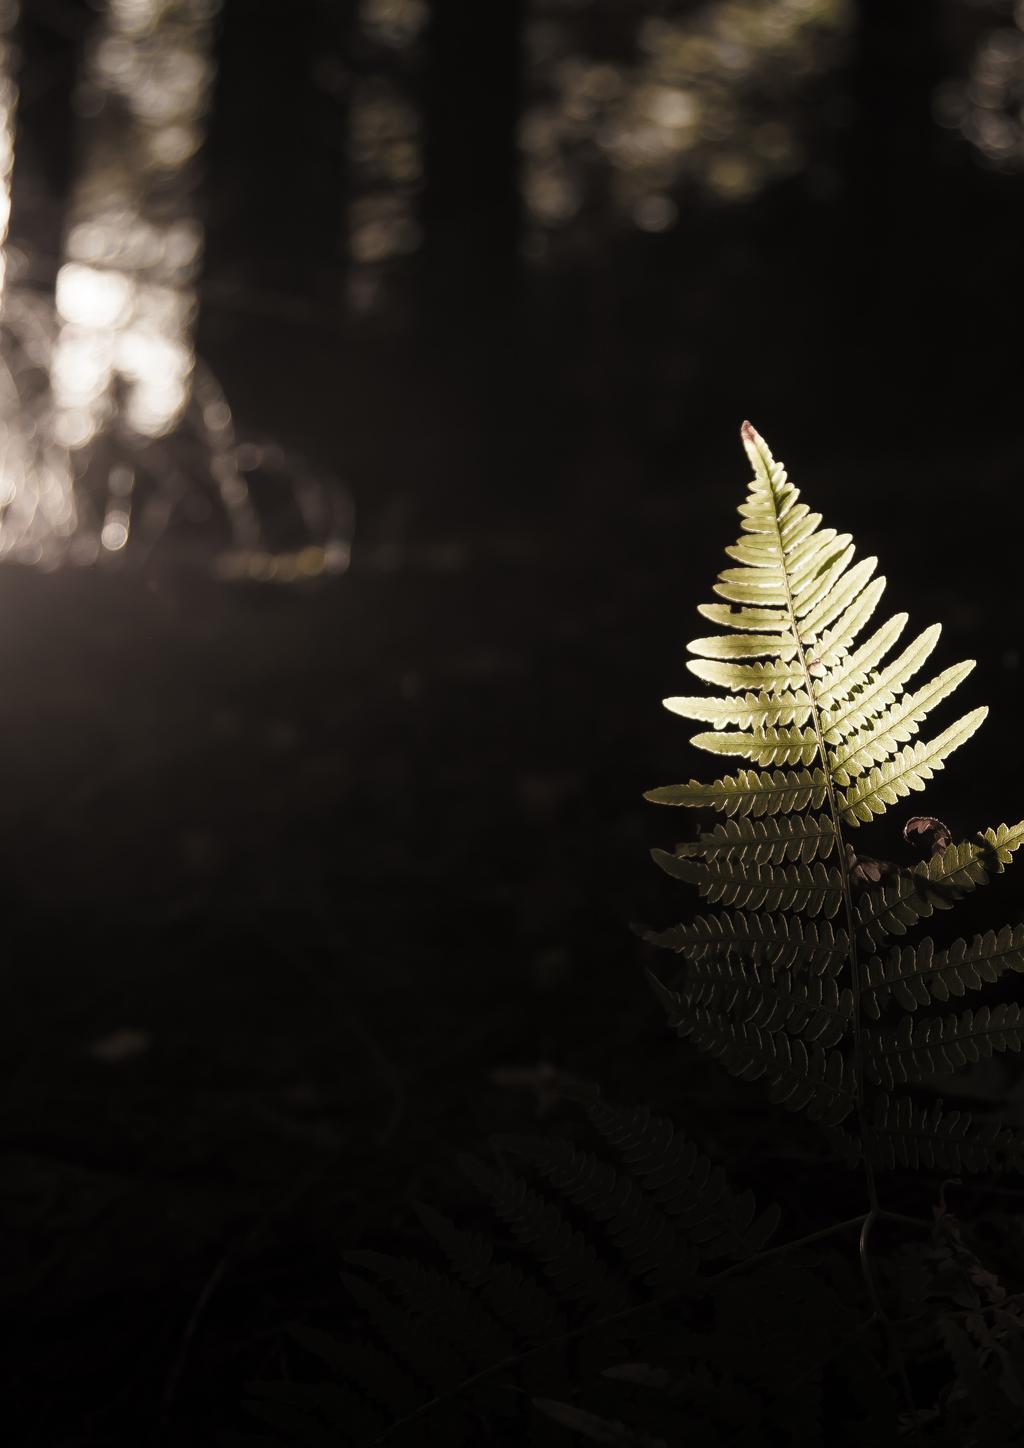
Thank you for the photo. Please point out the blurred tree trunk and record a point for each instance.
(896, 65)
(471, 208)
(276, 156)
(471, 252)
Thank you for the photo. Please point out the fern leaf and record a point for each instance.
(835, 643)
(773, 841)
(766, 746)
(645, 1237)
(863, 696)
(835, 601)
(412, 1339)
(1001, 843)
(942, 1045)
(742, 588)
(749, 793)
(915, 975)
(755, 618)
(570, 1261)
(908, 771)
(851, 671)
(814, 1081)
(774, 939)
(752, 711)
(813, 1007)
(744, 646)
(878, 740)
(683, 1182)
(454, 1313)
(519, 1303)
(813, 890)
(904, 1134)
(935, 884)
(763, 678)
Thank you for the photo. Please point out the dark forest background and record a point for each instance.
(303, 887)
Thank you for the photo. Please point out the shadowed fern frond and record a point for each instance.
(591, 1248)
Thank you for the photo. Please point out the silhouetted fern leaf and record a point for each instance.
(683, 1182)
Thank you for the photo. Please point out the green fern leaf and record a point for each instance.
(755, 618)
(646, 1238)
(935, 884)
(904, 1134)
(773, 841)
(833, 603)
(773, 939)
(852, 671)
(916, 975)
(752, 711)
(568, 1259)
(523, 1307)
(813, 890)
(812, 580)
(683, 1182)
(765, 746)
(864, 695)
(744, 646)
(814, 1081)
(749, 793)
(813, 1007)
(942, 1045)
(834, 645)
(907, 771)
(761, 678)
(877, 741)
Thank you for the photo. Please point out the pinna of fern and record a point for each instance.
(801, 974)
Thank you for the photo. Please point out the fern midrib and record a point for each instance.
(844, 868)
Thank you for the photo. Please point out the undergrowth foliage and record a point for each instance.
(617, 1287)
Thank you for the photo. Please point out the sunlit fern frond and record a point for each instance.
(782, 985)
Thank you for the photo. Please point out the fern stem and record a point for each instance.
(844, 873)
(874, 1206)
(760, 1257)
